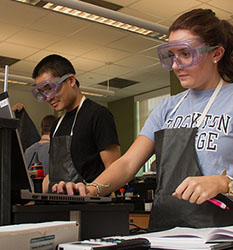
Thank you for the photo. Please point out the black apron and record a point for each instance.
(176, 159)
(61, 166)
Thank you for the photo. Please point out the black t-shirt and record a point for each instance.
(93, 132)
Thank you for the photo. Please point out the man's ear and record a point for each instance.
(72, 81)
(218, 53)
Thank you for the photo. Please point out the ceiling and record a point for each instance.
(98, 52)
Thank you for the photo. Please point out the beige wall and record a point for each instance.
(124, 113)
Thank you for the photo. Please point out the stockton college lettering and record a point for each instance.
(209, 131)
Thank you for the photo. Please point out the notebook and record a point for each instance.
(22, 188)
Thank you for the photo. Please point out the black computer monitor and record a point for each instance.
(12, 149)
(19, 175)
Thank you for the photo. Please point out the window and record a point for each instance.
(145, 104)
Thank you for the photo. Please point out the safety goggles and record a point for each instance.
(186, 53)
(48, 88)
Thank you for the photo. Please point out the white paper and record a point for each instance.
(180, 238)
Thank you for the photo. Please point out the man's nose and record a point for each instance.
(48, 99)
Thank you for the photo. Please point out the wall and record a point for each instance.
(123, 111)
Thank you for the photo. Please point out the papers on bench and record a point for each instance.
(188, 238)
(208, 235)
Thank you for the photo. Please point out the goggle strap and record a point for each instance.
(63, 78)
(205, 49)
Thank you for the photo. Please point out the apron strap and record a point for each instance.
(60, 120)
(179, 103)
(79, 107)
(212, 98)
(216, 91)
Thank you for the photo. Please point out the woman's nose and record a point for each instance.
(175, 65)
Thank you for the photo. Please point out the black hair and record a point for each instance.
(213, 31)
(47, 123)
(55, 64)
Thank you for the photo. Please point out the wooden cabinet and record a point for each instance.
(139, 219)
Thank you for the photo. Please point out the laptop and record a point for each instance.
(22, 188)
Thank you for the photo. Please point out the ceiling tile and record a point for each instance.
(140, 14)
(220, 13)
(163, 8)
(151, 52)
(100, 34)
(106, 54)
(72, 47)
(112, 70)
(85, 64)
(67, 24)
(122, 3)
(137, 61)
(7, 30)
(43, 53)
(226, 5)
(19, 14)
(33, 38)
(90, 78)
(133, 43)
(154, 74)
(16, 51)
(23, 67)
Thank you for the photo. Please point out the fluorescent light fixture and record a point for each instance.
(23, 80)
(104, 16)
(14, 82)
(96, 92)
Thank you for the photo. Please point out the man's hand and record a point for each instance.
(17, 106)
(199, 189)
(71, 188)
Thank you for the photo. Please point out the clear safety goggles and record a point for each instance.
(186, 53)
(48, 88)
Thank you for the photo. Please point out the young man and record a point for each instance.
(84, 141)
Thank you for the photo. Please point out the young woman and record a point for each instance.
(191, 133)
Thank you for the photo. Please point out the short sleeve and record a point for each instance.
(152, 124)
(157, 118)
(104, 129)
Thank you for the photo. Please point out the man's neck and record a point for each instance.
(77, 101)
(44, 138)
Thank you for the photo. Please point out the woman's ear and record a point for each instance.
(218, 54)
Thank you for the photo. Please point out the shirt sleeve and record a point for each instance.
(104, 128)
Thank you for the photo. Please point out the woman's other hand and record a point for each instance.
(201, 188)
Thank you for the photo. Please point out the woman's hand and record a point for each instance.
(71, 188)
(199, 189)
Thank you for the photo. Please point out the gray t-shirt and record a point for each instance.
(43, 154)
(214, 141)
